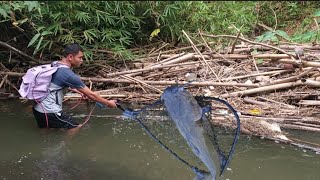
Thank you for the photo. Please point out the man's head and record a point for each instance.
(73, 54)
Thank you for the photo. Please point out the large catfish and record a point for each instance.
(185, 111)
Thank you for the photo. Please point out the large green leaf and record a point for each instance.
(44, 33)
(268, 36)
(31, 5)
(33, 40)
(38, 46)
(283, 34)
(317, 13)
(4, 10)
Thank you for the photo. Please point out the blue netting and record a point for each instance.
(155, 120)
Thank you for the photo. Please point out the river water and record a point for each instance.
(110, 148)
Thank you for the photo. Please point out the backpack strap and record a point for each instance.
(57, 64)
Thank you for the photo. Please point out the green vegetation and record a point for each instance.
(45, 26)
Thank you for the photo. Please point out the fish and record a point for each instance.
(186, 113)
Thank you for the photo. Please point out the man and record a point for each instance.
(50, 108)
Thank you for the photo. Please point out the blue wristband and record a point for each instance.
(101, 105)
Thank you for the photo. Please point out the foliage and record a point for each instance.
(212, 17)
(118, 25)
(307, 33)
(285, 16)
(91, 24)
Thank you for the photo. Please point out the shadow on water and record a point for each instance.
(109, 148)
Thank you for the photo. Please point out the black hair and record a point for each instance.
(72, 48)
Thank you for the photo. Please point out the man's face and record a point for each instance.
(76, 60)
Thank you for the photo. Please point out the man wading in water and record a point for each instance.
(63, 78)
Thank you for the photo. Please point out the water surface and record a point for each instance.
(110, 148)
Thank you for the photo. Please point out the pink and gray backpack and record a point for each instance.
(36, 81)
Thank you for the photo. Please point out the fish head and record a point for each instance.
(171, 91)
(181, 104)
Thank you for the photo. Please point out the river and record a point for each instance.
(110, 148)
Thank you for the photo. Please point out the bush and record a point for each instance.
(118, 25)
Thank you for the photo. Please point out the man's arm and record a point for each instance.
(73, 90)
(95, 97)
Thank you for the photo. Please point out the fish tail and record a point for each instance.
(202, 175)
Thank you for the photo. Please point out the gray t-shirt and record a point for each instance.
(64, 77)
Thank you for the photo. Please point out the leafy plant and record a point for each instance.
(273, 36)
(45, 26)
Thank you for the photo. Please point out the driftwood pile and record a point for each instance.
(271, 86)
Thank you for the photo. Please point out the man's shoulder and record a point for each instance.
(62, 74)
(65, 77)
(64, 71)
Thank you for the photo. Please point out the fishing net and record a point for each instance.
(156, 119)
(220, 136)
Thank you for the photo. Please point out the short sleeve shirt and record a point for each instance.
(63, 78)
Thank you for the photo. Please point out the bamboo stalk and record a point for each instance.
(309, 82)
(290, 47)
(280, 103)
(289, 79)
(177, 60)
(204, 83)
(168, 59)
(306, 124)
(305, 63)
(309, 102)
(291, 126)
(252, 101)
(257, 74)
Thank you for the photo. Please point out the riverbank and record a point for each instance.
(268, 84)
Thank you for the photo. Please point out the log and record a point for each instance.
(280, 103)
(205, 83)
(309, 102)
(18, 51)
(307, 124)
(168, 59)
(177, 60)
(304, 63)
(291, 126)
(257, 74)
(290, 47)
(252, 101)
(309, 82)
(289, 79)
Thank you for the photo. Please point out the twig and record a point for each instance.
(234, 42)
(275, 16)
(3, 80)
(18, 51)
(197, 51)
(251, 42)
(255, 65)
(141, 82)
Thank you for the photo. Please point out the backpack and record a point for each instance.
(35, 83)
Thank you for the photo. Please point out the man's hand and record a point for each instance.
(112, 103)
